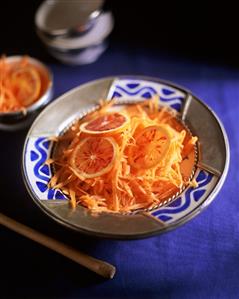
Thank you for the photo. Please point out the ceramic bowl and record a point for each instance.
(16, 120)
(210, 170)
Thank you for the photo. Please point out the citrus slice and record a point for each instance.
(151, 146)
(94, 156)
(26, 84)
(106, 124)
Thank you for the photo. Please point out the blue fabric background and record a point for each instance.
(198, 260)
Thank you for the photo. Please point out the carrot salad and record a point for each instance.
(21, 84)
(123, 158)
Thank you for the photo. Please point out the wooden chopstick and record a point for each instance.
(100, 267)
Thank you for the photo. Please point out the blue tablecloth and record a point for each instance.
(198, 260)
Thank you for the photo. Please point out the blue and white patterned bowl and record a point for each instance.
(210, 172)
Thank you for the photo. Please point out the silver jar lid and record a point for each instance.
(67, 17)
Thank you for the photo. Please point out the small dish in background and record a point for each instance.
(75, 44)
(12, 120)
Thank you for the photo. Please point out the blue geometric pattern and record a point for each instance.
(128, 88)
(42, 172)
(188, 198)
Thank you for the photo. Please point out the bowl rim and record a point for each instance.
(43, 97)
(211, 196)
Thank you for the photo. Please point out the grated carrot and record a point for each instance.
(125, 188)
(16, 94)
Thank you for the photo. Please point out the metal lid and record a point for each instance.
(102, 28)
(62, 17)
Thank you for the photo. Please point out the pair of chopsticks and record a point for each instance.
(100, 267)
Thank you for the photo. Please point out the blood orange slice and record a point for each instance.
(151, 145)
(26, 84)
(106, 124)
(94, 156)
